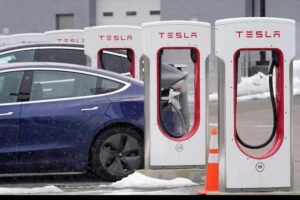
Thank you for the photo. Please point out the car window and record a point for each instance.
(10, 83)
(106, 85)
(112, 62)
(126, 64)
(18, 56)
(115, 60)
(58, 84)
(73, 56)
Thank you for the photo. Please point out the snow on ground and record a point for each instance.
(37, 190)
(138, 180)
(257, 86)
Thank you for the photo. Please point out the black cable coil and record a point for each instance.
(273, 64)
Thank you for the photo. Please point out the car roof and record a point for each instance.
(56, 65)
(33, 45)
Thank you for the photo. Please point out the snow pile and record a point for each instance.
(257, 86)
(253, 87)
(37, 190)
(137, 180)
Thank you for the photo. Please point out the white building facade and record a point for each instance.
(127, 12)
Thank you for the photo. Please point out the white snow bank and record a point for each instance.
(257, 86)
(36, 190)
(253, 87)
(138, 180)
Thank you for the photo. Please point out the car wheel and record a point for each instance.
(116, 153)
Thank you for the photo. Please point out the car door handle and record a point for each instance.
(6, 114)
(89, 109)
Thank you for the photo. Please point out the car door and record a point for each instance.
(58, 120)
(10, 83)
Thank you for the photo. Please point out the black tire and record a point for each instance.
(116, 153)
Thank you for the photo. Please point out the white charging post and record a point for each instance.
(72, 36)
(26, 38)
(175, 54)
(270, 169)
(119, 46)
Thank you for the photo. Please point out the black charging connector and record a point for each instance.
(275, 58)
(274, 63)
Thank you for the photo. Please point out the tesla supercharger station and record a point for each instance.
(115, 48)
(65, 36)
(175, 55)
(26, 38)
(265, 165)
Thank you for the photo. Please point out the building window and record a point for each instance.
(108, 14)
(64, 21)
(131, 13)
(154, 12)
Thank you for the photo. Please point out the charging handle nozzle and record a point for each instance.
(275, 58)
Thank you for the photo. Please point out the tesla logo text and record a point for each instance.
(69, 40)
(258, 34)
(178, 35)
(116, 37)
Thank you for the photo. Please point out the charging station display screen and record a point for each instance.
(117, 60)
(178, 91)
(258, 87)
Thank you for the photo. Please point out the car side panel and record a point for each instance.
(54, 134)
(9, 133)
(129, 109)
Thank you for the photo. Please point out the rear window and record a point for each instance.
(18, 56)
(115, 60)
(72, 56)
(106, 85)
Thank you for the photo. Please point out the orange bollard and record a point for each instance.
(212, 170)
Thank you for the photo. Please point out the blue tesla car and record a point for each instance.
(64, 118)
